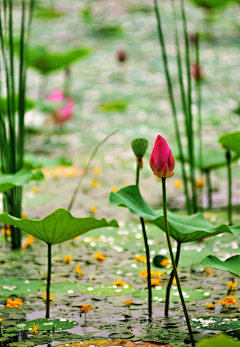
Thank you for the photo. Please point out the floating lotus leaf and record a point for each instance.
(107, 30)
(114, 106)
(159, 294)
(183, 229)
(47, 13)
(47, 324)
(16, 286)
(231, 141)
(63, 287)
(231, 264)
(18, 179)
(32, 161)
(107, 290)
(215, 323)
(57, 227)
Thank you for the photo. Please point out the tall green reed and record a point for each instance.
(183, 67)
(13, 87)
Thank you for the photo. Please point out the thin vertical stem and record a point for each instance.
(173, 260)
(171, 279)
(48, 280)
(172, 102)
(228, 156)
(209, 188)
(146, 248)
(199, 101)
(190, 117)
(180, 75)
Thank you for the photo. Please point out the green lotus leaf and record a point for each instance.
(32, 161)
(215, 323)
(46, 62)
(218, 341)
(211, 4)
(114, 106)
(18, 179)
(47, 13)
(107, 290)
(183, 229)
(57, 227)
(47, 324)
(212, 160)
(231, 141)
(231, 264)
(159, 294)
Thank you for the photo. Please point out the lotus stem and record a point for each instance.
(173, 260)
(146, 248)
(171, 279)
(48, 280)
(228, 156)
(209, 188)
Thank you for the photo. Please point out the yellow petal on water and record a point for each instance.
(97, 170)
(93, 209)
(35, 190)
(94, 182)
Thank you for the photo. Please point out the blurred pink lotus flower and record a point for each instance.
(197, 72)
(161, 159)
(65, 112)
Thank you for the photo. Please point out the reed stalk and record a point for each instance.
(172, 102)
(13, 86)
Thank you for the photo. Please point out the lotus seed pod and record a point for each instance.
(139, 147)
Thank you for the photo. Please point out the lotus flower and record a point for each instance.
(65, 112)
(161, 159)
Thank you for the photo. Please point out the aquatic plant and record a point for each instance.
(12, 127)
(139, 147)
(58, 227)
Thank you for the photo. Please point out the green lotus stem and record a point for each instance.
(180, 77)
(67, 80)
(228, 156)
(199, 102)
(146, 248)
(48, 280)
(164, 199)
(171, 279)
(209, 188)
(172, 102)
(190, 117)
(129, 312)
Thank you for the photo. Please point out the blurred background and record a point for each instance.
(96, 66)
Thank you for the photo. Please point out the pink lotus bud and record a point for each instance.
(122, 56)
(197, 72)
(161, 159)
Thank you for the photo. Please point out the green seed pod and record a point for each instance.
(139, 147)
